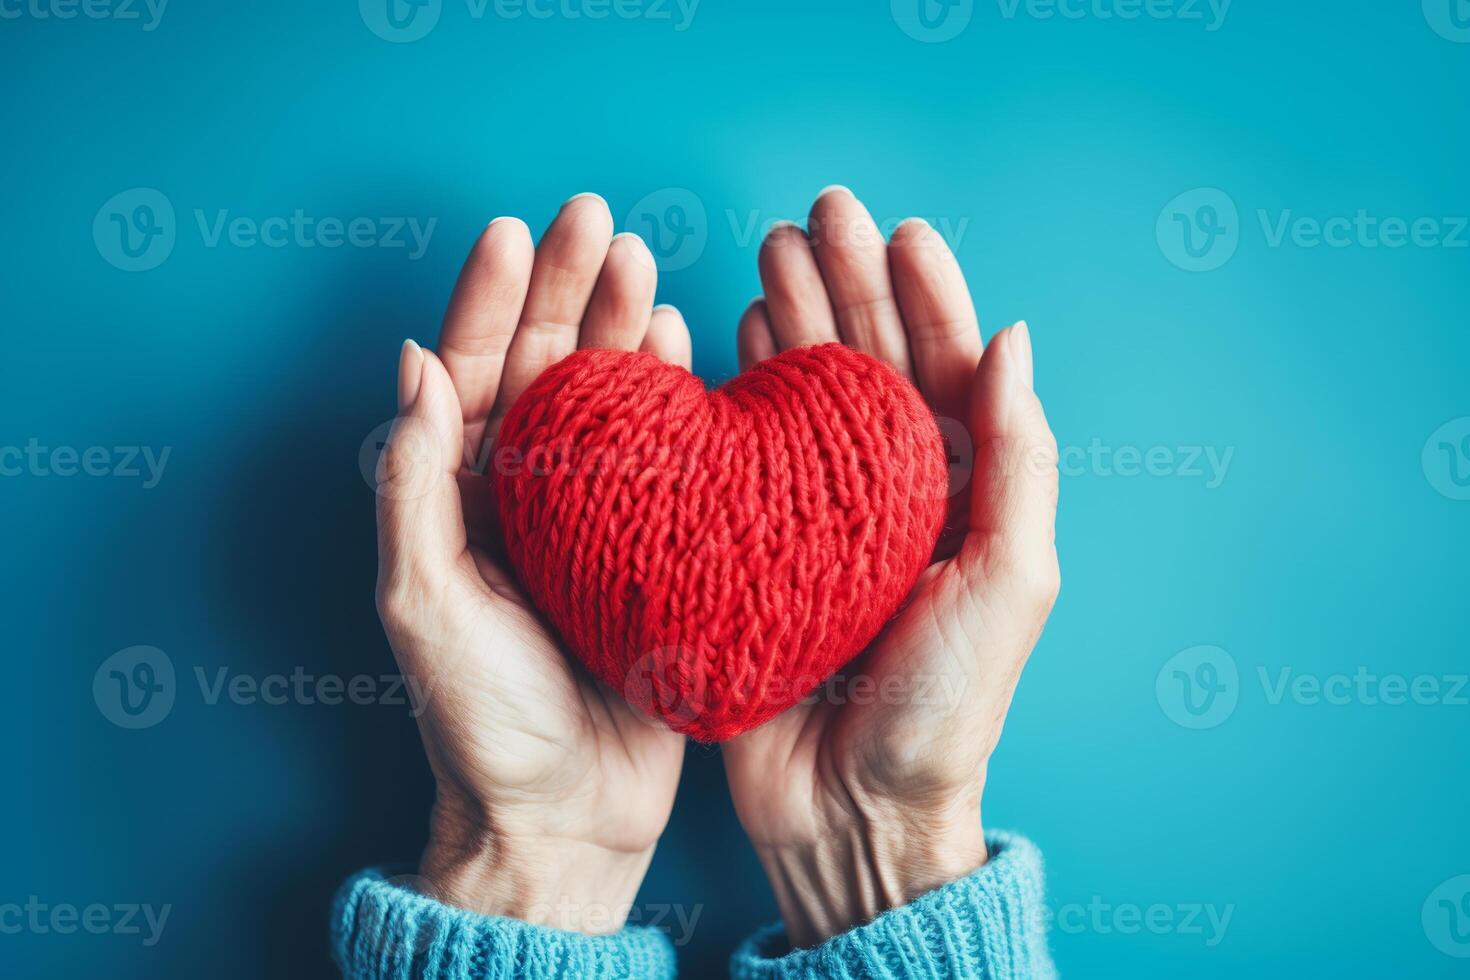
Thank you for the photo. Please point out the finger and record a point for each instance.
(853, 259)
(753, 340)
(622, 302)
(1014, 503)
(796, 297)
(563, 276)
(668, 337)
(421, 533)
(943, 333)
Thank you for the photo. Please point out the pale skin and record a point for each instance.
(552, 792)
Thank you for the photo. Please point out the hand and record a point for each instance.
(863, 806)
(551, 791)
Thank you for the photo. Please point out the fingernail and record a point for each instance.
(634, 237)
(410, 374)
(1021, 349)
(776, 234)
(578, 197)
(915, 231)
(834, 189)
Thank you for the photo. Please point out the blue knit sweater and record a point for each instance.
(989, 926)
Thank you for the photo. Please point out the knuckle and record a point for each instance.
(1032, 574)
(1041, 581)
(403, 597)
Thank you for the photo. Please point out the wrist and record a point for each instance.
(850, 875)
(493, 868)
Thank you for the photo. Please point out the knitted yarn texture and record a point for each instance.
(714, 556)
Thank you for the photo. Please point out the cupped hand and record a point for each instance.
(867, 794)
(551, 791)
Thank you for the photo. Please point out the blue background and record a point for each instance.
(1054, 143)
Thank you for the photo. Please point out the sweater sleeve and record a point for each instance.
(382, 929)
(990, 926)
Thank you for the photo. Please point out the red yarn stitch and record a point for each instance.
(715, 555)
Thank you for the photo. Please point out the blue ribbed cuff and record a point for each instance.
(384, 930)
(989, 926)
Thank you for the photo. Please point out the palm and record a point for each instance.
(543, 731)
(938, 679)
(517, 734)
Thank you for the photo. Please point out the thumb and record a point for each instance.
(421, 533)
(1012, 537)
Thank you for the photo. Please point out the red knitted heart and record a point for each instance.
(716, 555)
